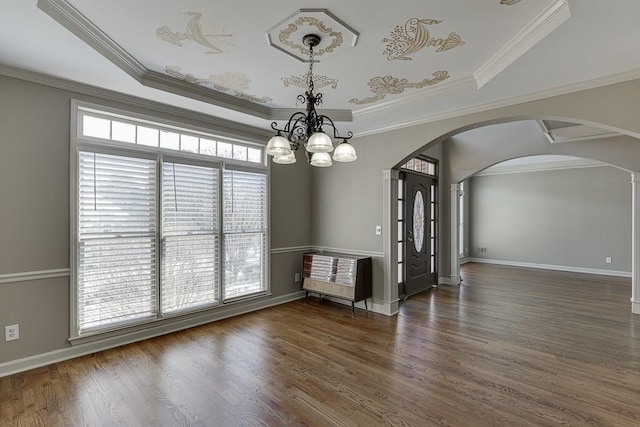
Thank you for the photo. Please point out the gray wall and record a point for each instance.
(34, 212)
(611, 107)
(570, 217)
(40, 116)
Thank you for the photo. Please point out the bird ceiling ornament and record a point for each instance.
(307, 129)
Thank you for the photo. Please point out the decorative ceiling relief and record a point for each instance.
(414, 36)
(382, 86)
(236, 83)
(509, 2)
(335, 35)
(302, 80)
(309, 21)
(210, 35)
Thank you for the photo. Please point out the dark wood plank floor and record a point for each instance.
(512, 347)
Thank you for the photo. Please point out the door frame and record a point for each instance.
(401, 259)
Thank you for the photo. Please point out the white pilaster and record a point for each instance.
(454, 198)
(390, 240)
(635, 242)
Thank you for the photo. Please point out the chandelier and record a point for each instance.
(308, 129)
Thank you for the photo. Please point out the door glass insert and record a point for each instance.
(418, 221)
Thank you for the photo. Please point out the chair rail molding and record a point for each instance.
(26, 276)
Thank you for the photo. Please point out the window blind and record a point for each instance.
(245, 233)
(190, 236)
(116, 239)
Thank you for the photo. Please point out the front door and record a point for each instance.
(420, 226)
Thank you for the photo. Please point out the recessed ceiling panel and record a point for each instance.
(369, 62)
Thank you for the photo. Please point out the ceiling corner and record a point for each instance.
(71, 19)
(540, 27)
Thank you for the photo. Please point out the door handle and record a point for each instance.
(409, 236)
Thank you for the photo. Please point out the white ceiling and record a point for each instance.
(217, 59)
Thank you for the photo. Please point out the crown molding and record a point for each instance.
(540, 27)
(577, 132)
(508, 102)
(71, 19)
(437, 91)
(199, 93)
(540, 167)
(222, 126)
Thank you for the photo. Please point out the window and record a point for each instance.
(190, 236)
(245, 237)
(420, 165)
(167, 221)
(116, 277)
(95, 125)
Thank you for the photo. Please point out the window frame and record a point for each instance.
(79, 143)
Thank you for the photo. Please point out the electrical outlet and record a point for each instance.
(608, 260)
(296, 277)
(11, 332)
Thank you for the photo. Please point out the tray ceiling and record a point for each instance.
(374, 66)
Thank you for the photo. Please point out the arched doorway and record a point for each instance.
(470, 151)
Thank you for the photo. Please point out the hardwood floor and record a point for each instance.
(512, 346)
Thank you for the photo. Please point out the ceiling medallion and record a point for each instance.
(414, 36)
(383, 86)
(236, 83)
(301, 80)
(216, 38)
(336, 36)
(308, 128)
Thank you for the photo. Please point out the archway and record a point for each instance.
(549, 212)
(470, 149)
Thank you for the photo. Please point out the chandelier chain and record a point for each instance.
(311, 68)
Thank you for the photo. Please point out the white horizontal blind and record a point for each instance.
(190, 234)
(245, 233)
(116, 239)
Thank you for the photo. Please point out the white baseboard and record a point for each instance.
(635, 306)
(388, 309)
(77, 350)
(450, 280)
(570, 269)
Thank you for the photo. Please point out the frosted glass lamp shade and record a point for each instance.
(321, 160)
(278, 146)
(287, 159)
(344, 152)
(319, 142)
